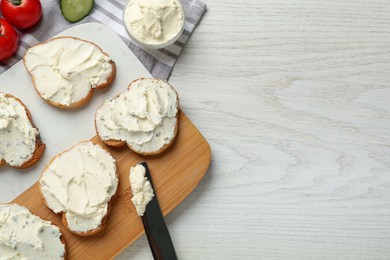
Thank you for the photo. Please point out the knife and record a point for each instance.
(156, 230)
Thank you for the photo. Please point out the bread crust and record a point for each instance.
(39, 145)
(62, 238)
(88, 97)
(100, 228)
(62, 213)
(120, 143)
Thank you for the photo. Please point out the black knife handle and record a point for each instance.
(156, 230)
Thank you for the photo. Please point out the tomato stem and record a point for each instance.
(16, 2)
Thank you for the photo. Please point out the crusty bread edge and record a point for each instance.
(62, 238)
(87, 98)
(62, 213)
(100, 228)
(119, 143)
(39, 145)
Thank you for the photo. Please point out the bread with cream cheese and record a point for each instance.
(24, 235)
(145, 117)
(79, 184)
(65, 71)
(20, 143)
(100, 228)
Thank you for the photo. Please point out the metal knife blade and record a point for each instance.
(156, 230)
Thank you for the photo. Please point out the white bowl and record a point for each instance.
(148, 45)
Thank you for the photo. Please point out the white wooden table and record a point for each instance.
(294, 98)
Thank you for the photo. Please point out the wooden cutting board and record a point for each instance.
(175, 174)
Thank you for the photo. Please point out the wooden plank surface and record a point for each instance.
(300, 91)
(175, 174)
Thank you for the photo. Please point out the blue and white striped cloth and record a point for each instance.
(109, 12)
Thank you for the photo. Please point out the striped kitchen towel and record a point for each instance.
(109, 12)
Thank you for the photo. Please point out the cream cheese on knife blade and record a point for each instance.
(141, 188)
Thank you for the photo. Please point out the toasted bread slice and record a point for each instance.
(103, 221)
(39, 145)
(35, 220)
(120, 142)
(91, 232)
(62, 76)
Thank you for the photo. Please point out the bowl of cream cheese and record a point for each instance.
(154, 24)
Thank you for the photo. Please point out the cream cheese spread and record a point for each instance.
(80, 182)
(144, 116)
(65, 69)
(26, 236)
(141, 188)
(154, 21)
(17, 134)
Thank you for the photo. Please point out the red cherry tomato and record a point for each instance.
(22, 14)
(8, 40)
